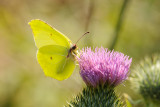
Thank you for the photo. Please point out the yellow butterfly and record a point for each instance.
(55, 51)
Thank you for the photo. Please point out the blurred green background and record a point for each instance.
(22, 81)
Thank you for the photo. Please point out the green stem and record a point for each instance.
(119, 23)
(88, 20)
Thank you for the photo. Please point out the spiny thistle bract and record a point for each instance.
(101, 70)
(96, 97)
(146, 79)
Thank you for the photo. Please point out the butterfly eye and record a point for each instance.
(74, 47)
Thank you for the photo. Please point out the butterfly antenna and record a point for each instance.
(81, 37)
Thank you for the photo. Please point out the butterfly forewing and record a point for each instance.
(44, 35)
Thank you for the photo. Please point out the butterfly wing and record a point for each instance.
(44, 35)
(54, 62)
(53, 48)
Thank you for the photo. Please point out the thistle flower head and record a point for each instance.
(101, 67)
(146, 79)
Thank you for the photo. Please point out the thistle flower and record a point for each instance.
(103, 67)
(101, 70)
(146, 79)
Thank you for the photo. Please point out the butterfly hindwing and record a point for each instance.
(54, 62)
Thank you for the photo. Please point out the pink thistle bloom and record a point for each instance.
(102, 67)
